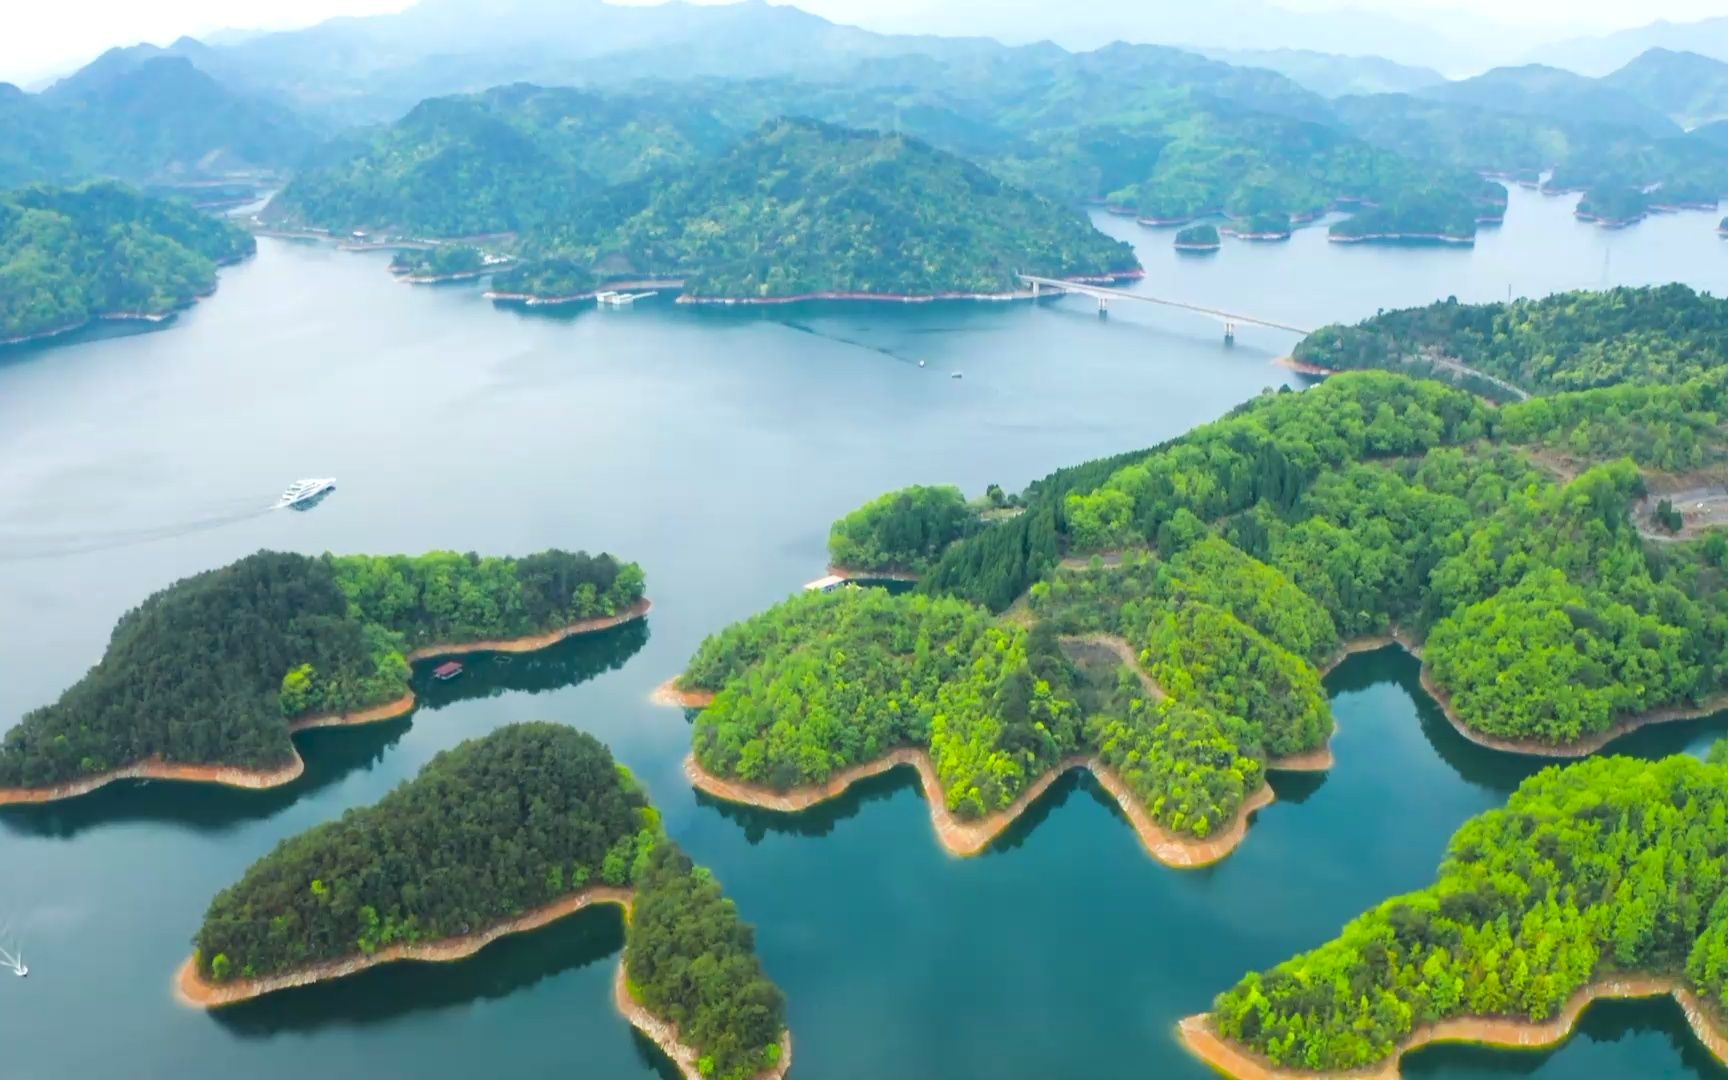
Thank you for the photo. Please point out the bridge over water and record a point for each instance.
(1104, 295)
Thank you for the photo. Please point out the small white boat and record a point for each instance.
(21, 970)
(305, 491)
(956, 375)
(920, 363)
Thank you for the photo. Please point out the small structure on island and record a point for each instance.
(446, 671)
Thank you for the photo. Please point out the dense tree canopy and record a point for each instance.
(824, 681)
(69, 255)
(486, 832)
(902, 530)
(1612, 865)
(1568, 341)
(690, 959)
(208, 670)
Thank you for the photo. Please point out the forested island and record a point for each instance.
(501, 835)
(1615, 206)
(208, 679)
(1261, 225)
(1163, 616)
(1198, 238)
(1568, 341)
(1602, 879)
(69, 256)
(1419, 217)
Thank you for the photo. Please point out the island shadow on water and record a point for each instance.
(333, 753)
(1617, 1036)
(392, 991)
(386, 994)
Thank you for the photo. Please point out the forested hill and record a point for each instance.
(210, 670)
(512, 158)
(70, 255)
(1613, 866)
(1510, 543)
(501, 825)
(1568, 341)
(808, 208)
(146, 118)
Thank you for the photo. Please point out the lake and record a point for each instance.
(714, 447)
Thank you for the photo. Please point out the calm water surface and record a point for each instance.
(714, 448)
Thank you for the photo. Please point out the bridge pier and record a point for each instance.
(1035, 290)
(1103, 304)
(1229, 333)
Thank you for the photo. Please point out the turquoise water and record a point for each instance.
(714, 448)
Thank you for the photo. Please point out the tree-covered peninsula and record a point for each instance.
(1603, 877)
(1615, 205)
(499, 835)
(794, 208)
(902, 531)
(101, 250)
(1568, 341)
(1166, 613)
(803, 209)
(217, 670)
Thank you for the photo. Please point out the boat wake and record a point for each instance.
(21, 545)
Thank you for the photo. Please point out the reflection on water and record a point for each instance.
(332, 753)
(1626, 1039)
(392, 991)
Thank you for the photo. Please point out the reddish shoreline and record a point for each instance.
(533, 300)
(850, 574)
(1234, 1060)
(192, 989)
(898, 298)
(964, 838)
(1431, 238)
(664, 1034)
(154, 768)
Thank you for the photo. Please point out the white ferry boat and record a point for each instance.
(301, 491)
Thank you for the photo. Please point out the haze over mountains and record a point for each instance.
(1155, 128)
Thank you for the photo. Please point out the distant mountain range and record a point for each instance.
(492, 92)
(1603, 54)
(149, 116)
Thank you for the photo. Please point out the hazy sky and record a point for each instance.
(44, 36)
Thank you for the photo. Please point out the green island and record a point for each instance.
(1614, 206)
(208, 679)
(503, 834)
(1261, 225)
(1163, 617)
(1601, 879)
(1198, 238)
(1568, 341)
(70, 256)
(1418, 216)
